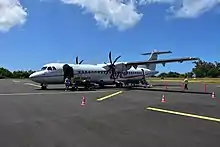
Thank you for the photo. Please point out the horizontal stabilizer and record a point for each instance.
(157, 53)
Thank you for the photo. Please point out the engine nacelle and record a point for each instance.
(122, 67)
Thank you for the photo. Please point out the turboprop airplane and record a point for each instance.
(117, 73)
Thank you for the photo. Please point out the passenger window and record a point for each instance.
(54, 68)
(49, 68)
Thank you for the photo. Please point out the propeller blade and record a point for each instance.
(81, 61)
(113, 73)
(108, 70)
(110, 57)
(77, 59)
(112, 66)
(116, 59)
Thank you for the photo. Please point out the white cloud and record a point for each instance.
(119, 13)
(123, 13)
(143, 2)
(186, 8)
(11, 14)
(194, 8)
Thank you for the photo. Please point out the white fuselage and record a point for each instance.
(53, 73)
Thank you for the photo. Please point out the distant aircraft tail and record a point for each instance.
(153, 56)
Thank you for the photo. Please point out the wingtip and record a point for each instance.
(194, 58)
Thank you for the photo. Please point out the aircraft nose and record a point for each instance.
(36, 77)
(33, 75)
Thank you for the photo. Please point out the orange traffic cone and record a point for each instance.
(213, 95)
(83, 101)
(163, 99)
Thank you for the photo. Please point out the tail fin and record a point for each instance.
(153, 56)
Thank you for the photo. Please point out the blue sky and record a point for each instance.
(42, 31)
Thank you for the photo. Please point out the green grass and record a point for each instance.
(191, 80)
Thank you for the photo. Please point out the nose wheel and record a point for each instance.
(43, 86)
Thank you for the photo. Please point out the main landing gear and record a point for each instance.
(43, 86)
(119, 85)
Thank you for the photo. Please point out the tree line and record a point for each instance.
(201, 69)
(5, 73)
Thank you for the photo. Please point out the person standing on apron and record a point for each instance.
(186, 83)
(67, 83)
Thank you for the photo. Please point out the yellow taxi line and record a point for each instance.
(184, 114)
(109, 96)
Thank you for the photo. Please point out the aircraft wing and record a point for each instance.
(162, 61)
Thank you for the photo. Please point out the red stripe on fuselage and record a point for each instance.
(126, 77)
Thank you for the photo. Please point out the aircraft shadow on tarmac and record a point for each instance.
(80, 89)
(169, 85)
(171, 90)
(63, 89)
(84, 89)
(135, 88)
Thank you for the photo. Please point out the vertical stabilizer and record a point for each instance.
(153, 56)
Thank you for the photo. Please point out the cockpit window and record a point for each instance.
(43, 68)
(49, 68)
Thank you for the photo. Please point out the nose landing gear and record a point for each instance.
(43, 86)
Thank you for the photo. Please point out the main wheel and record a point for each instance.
(119, 85)
(75, 88)
(43, 86)
(101, 84)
